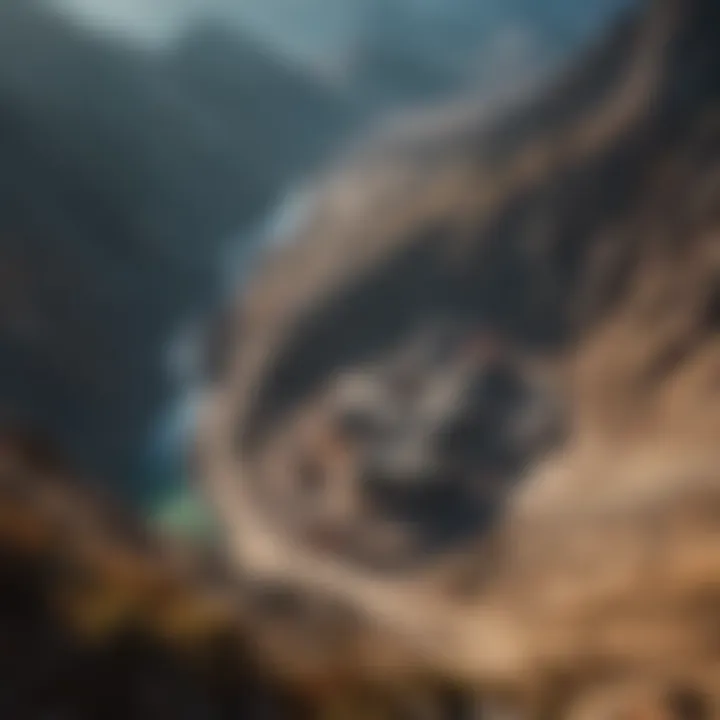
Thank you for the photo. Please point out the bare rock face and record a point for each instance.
(476, 399)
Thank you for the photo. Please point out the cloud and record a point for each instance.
(154, 21)
(313, 29)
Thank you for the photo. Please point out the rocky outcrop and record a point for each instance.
(475, 401)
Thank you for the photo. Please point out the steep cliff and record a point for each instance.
(475, 398)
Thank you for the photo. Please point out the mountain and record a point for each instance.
(395, 52)
(473, 395)
(125, 173)
(383, 52)
(409, 52)
(244, 85)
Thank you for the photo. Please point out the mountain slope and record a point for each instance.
(121, 185)
(503, 342)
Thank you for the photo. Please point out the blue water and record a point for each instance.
(171, 497)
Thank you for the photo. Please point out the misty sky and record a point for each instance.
(312, 29)
(316, 31)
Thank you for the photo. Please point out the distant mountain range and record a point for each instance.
(381, 50)
(123, 175)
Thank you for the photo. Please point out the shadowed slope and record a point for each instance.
(560, 267)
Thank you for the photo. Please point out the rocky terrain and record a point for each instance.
(474, 400)
(461, 428)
